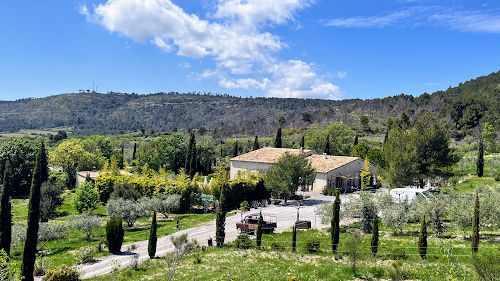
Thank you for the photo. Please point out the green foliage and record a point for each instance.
(353, 245)
(191, 157)
(7, 271)
(327, 145)
(487, 264)
(21, 153)
(243, 242)
(86, 223)
(422, 239)
(290, 172)
(340, 139)
(72, 154)
(488, 135)
(86, 198)
(62, 273)
(335, 224)
(40, 175)
(398, 254)
(366, 175)
(50, 199)
(152, 237)
(312, 245)
(256, 143)
(85, 254)
(496, 176)
(368, 211)
(480, 159)
(374, 240)
(277, 139)
(6, 212)
(475, 226)
(294, 238)
(220, 223)
(259, 231)
(124, 190)
(364, 151)
(114, 235)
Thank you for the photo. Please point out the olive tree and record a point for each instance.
(128, 210)
(85, 223)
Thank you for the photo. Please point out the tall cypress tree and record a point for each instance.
(356, 140)
(374, 242)
(193, 163)
(475, 226)
(135, 150)
(152, 237)
(122, 159)
(480, 159)
(259, 231)
(220, 222)
(256, 143)
(277, 140)
(5, 212)
(422, 239)
(327, 145)
(294, 238)
(190, 160)
(386, 135)
(235, 149)
(40, 175)
(335, 224)
(302, 142)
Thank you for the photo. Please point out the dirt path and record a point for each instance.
(286, 216)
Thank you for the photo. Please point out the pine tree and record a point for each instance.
(374, 242)
(256, 143)
(277, 140)
(40, 175)
(422, 240)
(135, 150)
(475, 226)
(302, 142)
(480, 159)
(335, 224)
(5, 212)
(221, 218)
(152, 238)
(259, 231)
(355, 140)
(294, 238)
(327, 145)
(235, 149)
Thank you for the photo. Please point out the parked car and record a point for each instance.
(250, 223)
(400, 194)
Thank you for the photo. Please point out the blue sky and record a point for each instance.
(288, 48)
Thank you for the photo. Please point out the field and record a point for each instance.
(41, 132)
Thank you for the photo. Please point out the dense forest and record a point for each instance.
(464, 107)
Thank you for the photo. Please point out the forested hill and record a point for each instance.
(464, 106)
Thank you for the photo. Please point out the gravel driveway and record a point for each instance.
(285, 214)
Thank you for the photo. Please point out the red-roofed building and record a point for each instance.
(331, 171)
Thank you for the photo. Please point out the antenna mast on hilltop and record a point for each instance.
(92, 87)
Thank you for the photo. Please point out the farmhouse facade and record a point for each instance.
(339, 172)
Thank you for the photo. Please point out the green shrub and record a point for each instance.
(497, 176)
(312, 245)
(398, 254)
(62, 273)
(41, 266)
(114, 235)
(85, 254)
(243, 242)
(86, 197)
(487, 264)
(277, 245)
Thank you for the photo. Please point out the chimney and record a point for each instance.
(301, 150)
(324, 155)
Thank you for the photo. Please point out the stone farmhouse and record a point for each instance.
(339, 172)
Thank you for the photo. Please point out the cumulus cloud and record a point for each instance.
(233, 35)
(185, 65)
(460, 20)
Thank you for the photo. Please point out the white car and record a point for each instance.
(400, 194)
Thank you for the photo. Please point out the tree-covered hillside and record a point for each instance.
(465, 107)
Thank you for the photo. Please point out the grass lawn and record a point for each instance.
(447, 259)
(472, 182)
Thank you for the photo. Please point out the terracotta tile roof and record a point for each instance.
(323, 165)
(94, 174)
(268, 155)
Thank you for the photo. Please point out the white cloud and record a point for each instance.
(340, 74)
(464, 21)
(234, 38)
(185, 65)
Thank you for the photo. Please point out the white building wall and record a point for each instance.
(239, 166)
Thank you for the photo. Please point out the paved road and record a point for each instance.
(286, 216)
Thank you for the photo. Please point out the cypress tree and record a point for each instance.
(480, 159)
(277, 140)
(152, 237)
(259, 231)
(256, 143)
(327, 145)
(235, 149)
(294, 238)
(40, 175)
(302, 142)
(475, 226)
(422, 239)
(335, 224)
(135, 150)
(221, 218)
(193, 163)
(114, 235)
(5, 212)
(374, 242)
(355, 140)
(190, 158)
(386, 135)
(122, 159)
